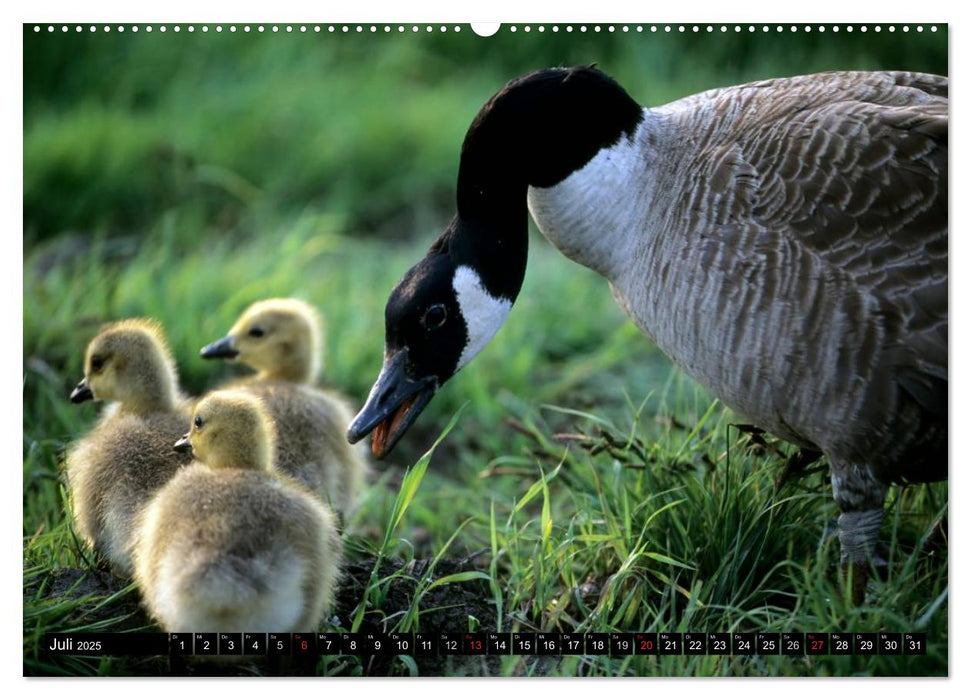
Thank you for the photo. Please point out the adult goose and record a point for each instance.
(784, 242)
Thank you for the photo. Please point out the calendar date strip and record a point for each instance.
(487, 643)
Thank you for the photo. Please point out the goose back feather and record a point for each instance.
(791, 255)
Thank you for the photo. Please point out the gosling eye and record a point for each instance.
(434, 317)
(198, 422)
(256, 332)
(97, 363)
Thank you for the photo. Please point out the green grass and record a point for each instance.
(585, 483)
(593, 508)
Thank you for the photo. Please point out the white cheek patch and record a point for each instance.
(482, 312)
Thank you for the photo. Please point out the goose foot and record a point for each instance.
(856, 575)
(858, 533)
(860, 496)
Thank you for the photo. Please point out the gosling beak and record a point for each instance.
(183, 446)
(82, 392)
(392, 406)
(221, 348)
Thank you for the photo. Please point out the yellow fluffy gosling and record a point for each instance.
(128, 455)
(229, 544)
(282, 340)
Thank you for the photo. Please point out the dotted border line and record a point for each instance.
(414, 28)
(246, 28)
(736, 28)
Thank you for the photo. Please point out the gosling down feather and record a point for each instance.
(282, 339)
(784, 242)
(127, 456)
(229, 544)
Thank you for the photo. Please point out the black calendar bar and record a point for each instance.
(669, 643)
(793, 644)
(841, 644)
(571, 643)
(474, 644)
(304, 644)
(450, 644)
(205, 643)
(743, 643)
(401, 643)
(597, 644)
(645, 644)
(180, 644)
(95, 644)
(865, 644)
(891, 643)
(426, 644)
(352, 644)
(523, 643)
(915, 643)
(695, 644)
(230, 644)
(817, 644)
(376, 645)
(720, 643)
(278, 644)
(549, 644)
(308, 644)
(621, 644)
(498, 644)
(328, 644)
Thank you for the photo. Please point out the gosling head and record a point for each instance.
(129, 362)
(280, 338)
(230, 430)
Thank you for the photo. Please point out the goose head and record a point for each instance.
(280, 338)
(534, 132)
(129, 362)
(230, 429)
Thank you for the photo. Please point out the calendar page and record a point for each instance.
(528, 349)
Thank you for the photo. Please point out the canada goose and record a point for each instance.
(784, 242)
(128, 455)
(229, 544)
(282, 340)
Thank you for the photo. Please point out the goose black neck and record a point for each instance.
(536, 131)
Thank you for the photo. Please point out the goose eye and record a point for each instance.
(97, 363)
(256, 332)
(434, 317)
(197, 422)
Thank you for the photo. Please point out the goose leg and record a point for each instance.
(860, 498)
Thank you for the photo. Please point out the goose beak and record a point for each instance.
(392, 406)
(82, 392)
(183, 446)
(221, 348)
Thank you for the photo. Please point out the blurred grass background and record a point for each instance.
(182, 176)
(245, 130)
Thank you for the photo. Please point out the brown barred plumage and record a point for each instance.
(786, 245)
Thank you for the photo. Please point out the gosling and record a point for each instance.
(127, 456)
(230, 544)
(282, 340)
